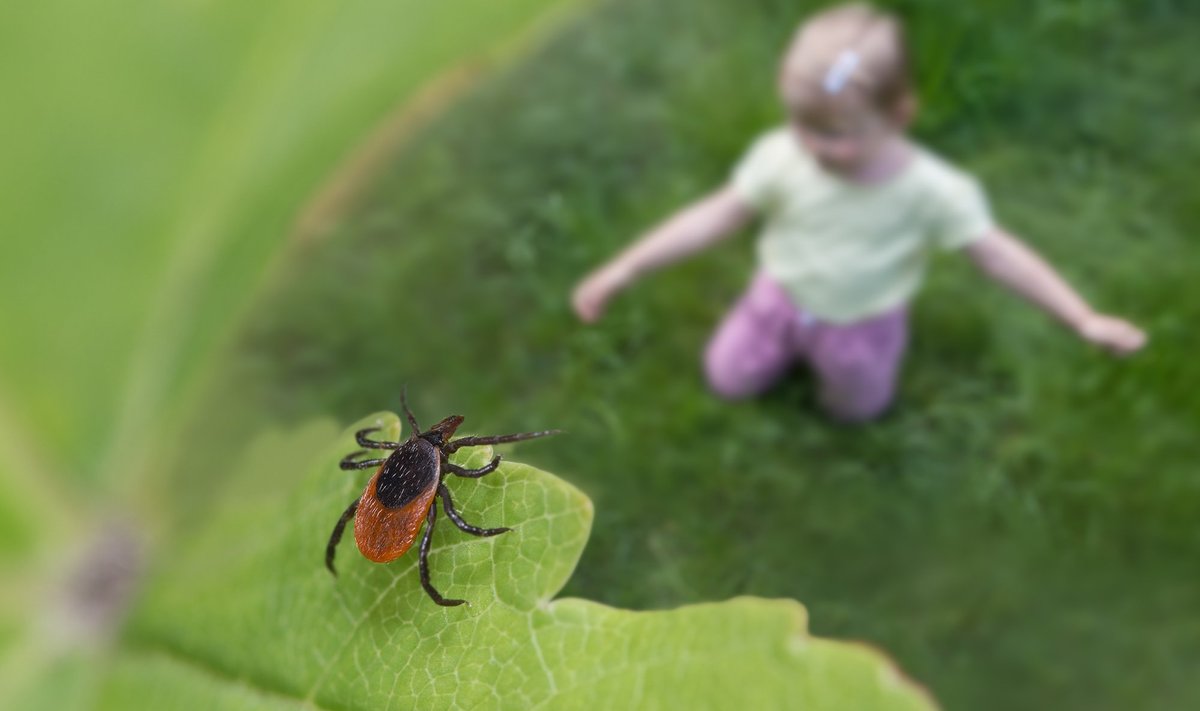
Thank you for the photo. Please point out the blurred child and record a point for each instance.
(851, 208)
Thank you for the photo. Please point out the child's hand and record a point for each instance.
(592, 294)
(1115, 334)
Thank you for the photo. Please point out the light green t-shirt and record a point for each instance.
(847, 251)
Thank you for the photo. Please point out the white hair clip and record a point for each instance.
(840, 71)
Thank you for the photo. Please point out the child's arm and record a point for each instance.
(1009, 261)
(691, 229)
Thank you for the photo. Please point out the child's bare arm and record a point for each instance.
(701, 224)
(1011, 262)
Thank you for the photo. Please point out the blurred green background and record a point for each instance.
(1019, 533)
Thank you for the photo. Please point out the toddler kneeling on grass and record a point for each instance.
(851, 209)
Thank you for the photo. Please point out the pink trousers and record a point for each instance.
(765, 333)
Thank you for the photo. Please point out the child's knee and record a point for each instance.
(724, 376)
(752, 346)
(858, 388)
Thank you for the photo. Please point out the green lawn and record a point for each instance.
(1020, 533)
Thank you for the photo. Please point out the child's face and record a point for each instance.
(844, 144)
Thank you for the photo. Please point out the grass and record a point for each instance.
(1020, 532)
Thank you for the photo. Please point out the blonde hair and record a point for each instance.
(851, 56)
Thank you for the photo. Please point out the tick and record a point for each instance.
(400, 496)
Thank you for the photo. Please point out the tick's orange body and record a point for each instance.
(384, 533)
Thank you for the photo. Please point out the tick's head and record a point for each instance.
(441, 433)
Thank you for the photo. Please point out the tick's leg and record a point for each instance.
(472, 473)
(495, 439)
(337, 535)
(473, 530)
(430, 519)
(349, 463)
(412, 420)
(361, 438)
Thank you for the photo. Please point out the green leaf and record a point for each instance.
(155, 158)
(244, 613)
